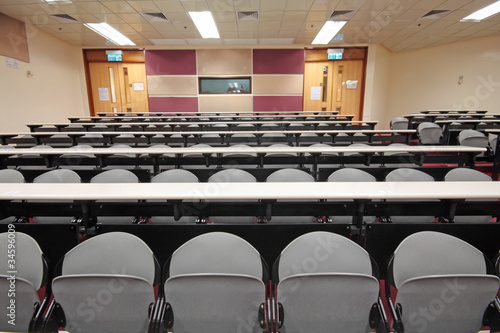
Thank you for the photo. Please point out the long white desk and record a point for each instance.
(248, 191)
(218, 114)
(239, 150)
(144, 125)
(217, 117)
(459, 111)
(148, 135)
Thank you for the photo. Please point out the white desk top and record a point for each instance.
(215, 113)
(180, 123)
(243, 150)
(170, 133)
(244, 191)
(222, 115)
(468, 121)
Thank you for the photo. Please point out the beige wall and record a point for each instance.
(377, 83)
(56, 90)
(428, 79)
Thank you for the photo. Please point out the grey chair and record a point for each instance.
(121, 146)
(58, 176)
(442, 285)
(107, 285)
(472, 138)
(177, 176)
(215, 283)
(31, 274)
(291, 175)
(429, 133)
(350, 175)
(232, 176)
(399, 123)
(116, 176)
(10, 176)
(493, 141)
(465, 175)
(327, 283)
(409, 175)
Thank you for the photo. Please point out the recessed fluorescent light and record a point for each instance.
(110, 33)
(205, 24)
(328, 31)
(484, 13)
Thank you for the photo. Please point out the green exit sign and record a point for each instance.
(114, 57)
(335, 56)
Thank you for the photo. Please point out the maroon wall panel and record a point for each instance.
(277, 103)
(173, 104)
(171, 62)
(278, 61)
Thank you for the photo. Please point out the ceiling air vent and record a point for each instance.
(248, 16)
(155, 17)
(64, 18)
(341, 15)
(435, 14)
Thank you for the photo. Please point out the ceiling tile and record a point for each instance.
(133, 18)
(325, 5)
(295, 16)
(271, 16)
(195, 5)
(144, 6)
(247, 5)
(119, 7)
(109, 18)
(94, 7)
(299, 5)
(273, 6)
(167, 6)
(221, 5)
(224, 17)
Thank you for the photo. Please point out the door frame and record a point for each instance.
(99, 55)
(350, 53)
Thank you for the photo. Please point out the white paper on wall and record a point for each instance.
(315, 93)
(103, 94)
(352, 84)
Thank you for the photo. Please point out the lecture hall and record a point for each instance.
(250, 166)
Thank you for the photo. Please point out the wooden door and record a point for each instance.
(334, 86)
(347, 87)
(118, 87)
(105, 85)
(133, 87)
(317, 86)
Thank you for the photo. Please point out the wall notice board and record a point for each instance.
(13, 40)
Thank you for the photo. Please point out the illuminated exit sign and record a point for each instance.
(335, 54)
(114, 57)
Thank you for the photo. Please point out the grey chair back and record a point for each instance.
(232, 176)
(320, 271)
(291, 175)
(444, 276)
(465, 175)
(175, 176)
(429, 133)
(399, 123)
(29, 277)
(472, 138)
(118, 271)
(215, 275)
(409, 175)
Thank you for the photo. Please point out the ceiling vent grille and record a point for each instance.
(155, 17)
(341, 15)
(64, 18)
(435, 14)
(248, 16)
